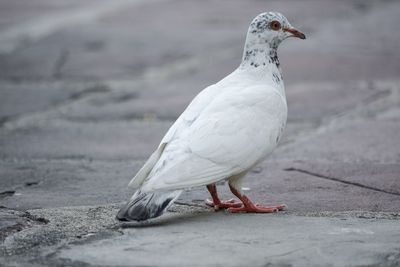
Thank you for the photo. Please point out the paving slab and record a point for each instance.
(304, 187)
(202, 238)
(378, 177)
(40, 96)
(319, 101)
(352, 142)
(219, 239)
(313, 190)
(60, 183)
(115, 140)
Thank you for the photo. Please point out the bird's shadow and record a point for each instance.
(168, 218)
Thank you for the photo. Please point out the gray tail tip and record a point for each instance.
(143, 207)
(130, 212)
(121, 216)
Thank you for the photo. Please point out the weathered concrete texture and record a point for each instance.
(88, 88)
(63, 225)
(80, 52)
(330, 99)
(280, 240)
(58, 183)
(186, 235)
(311, 187)
(12, 221)
(69, 140)
(37, 97)
(370, 141)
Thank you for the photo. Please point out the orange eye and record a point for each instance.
(275, 25)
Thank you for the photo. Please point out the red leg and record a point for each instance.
(248, 206)
(217, 203)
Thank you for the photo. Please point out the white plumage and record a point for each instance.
(227, 129)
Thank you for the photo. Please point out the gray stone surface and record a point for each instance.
(88, 88)
(280, 240)
(188, 235)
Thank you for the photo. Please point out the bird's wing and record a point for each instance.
(142, 174)
(184, 121)
(231, 135)
(192, 112)
(199, 104)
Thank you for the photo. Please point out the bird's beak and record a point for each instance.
(295, 33)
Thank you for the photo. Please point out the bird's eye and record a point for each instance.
(275, 25)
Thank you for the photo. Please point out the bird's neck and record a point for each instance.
(261, 61)
(260, 56)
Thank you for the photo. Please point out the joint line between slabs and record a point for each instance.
(341, 181)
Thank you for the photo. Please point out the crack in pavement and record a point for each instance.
(13, 191)
(377, 96)
(59, 63)
(95, 89)
(155, 75)
(137, 117)
(341, 180)
(7, 193)
(10, 123)
(14, 221)
(31, 183)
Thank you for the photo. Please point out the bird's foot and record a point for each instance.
(224, 204)
(257, 209)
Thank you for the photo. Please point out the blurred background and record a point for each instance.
(88, 88)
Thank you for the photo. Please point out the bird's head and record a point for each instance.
(271, 28)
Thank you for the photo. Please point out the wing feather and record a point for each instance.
(226, 139)
(142, 174)
(189, 172)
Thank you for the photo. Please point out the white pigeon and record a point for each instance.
(226, 130)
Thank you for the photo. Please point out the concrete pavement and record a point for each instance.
(89, 88)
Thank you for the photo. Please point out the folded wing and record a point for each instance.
(228, 137)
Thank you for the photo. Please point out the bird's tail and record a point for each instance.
(143, 206)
